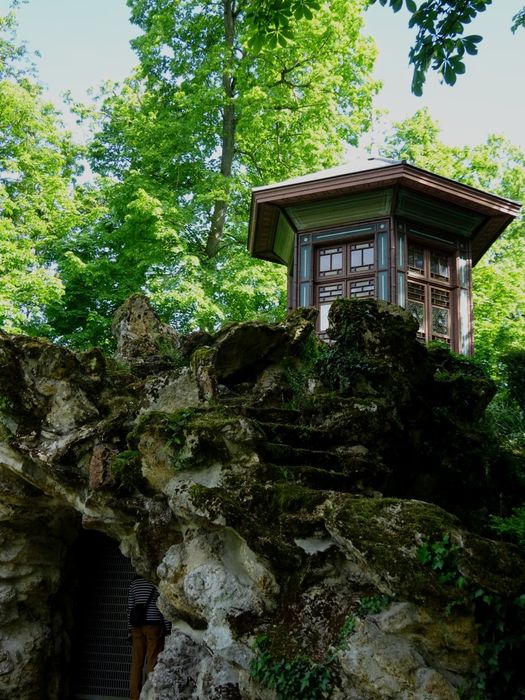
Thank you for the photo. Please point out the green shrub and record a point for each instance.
(296, 679)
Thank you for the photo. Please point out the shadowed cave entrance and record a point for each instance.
(100, 654)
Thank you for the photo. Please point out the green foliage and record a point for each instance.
(513, 526)
(505, 423)
(500, 626)
(176, 423)
(505, 415)
(501, 647)
(300, 678)
(272, 22)
(126, 467)
(440, 43)
(179, 147)
(514, 372)
(346, 632)
(518, 20)
(38, 166)
(442, 557)
(498, 281)
(297, 679)
(372, 605)
(299, 373)
(342, 370)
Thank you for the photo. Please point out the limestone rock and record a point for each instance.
(272, 487)
(140, 333)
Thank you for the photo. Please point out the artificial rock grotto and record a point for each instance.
(310, 513)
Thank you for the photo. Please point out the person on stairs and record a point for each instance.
(147, 631)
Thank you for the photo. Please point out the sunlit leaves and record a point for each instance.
(518, 20)
(159, 147)
(271, 23)
(440, 43)
(37, 208)
(498, 279)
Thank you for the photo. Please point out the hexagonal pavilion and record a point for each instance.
(384, 229)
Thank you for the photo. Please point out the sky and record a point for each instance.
(84, 42)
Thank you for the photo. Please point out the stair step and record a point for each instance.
(288, 455)
(295, 435)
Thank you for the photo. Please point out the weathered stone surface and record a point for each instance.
(268, 485)
(187, 670)
(140, 332)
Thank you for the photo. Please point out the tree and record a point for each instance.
(440, 43)
(38, 164)
(206, 118)
(498, 279)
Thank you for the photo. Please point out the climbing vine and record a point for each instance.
(500, 620)
(300, 678)
(297, 679)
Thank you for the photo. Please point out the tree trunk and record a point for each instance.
(220, 207)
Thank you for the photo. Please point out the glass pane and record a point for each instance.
(305, 294)
(440, 297)
(337, 261)
(440, 321)
(416, 259)
(323, 316)
(439, 267)
(362, 256)
(382, 248)
(418, 312)
(330, 291)
(416, 292)
(324, 263)
(368, 257)
(330, 262)
(401, 250)
(362, 288)
(305, 262)
(356, 258)
(401, 291)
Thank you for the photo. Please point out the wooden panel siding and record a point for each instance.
(497, 211)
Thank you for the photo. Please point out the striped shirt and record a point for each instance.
(139, 592)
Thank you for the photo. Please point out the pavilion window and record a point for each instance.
(350, 267)
(331, 262)
(327, 294)
(361, 256)
(429, 292)
(362, 288)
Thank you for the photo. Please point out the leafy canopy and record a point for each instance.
(439, 45)
(498, 280)
(179, 147)
(38, 166)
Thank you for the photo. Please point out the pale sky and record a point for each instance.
(84, 42)
(488, 99)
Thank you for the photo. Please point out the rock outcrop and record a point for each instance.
(306, 510)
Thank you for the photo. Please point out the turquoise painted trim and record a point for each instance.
(382, 286)
(401, 291)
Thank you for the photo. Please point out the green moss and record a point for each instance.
(126, 468)
(291, 498)
(387, 533)
(6, 404)
(5, 433)
(299, 371)
(218, 502)
(165, 346)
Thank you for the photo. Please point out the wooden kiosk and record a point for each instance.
(383, 229)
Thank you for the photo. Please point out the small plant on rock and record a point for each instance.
(295, 679)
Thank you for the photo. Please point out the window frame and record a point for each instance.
(429, 282)
(347, 277)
